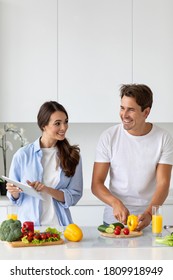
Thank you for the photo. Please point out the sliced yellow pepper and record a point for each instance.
(73, 233)
(132, 222)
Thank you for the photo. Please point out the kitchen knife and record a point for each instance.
(168, 228)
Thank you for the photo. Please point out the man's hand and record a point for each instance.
(143, 220)
(120, 212)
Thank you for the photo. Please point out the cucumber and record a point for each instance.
(118, 224)
(111, 226)
(109, 230)
(102, 228)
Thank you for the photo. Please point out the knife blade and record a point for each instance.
(168, 228)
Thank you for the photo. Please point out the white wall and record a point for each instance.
(86, 135)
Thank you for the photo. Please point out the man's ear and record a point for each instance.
(147, 111)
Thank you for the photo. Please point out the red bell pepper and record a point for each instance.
(28, 226)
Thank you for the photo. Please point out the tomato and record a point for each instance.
(126, 231)
(117, 231)
(30, 238)
(55, 235)
(30, 233)
(37, 236)
(48, 234)
(118, 227)
(43, 235)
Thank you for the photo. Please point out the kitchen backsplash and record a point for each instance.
(84, 134)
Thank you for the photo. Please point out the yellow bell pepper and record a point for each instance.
(73, 233)
(132, 222)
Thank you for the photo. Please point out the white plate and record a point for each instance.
(24, 187)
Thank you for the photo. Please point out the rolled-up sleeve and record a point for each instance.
(74, 188)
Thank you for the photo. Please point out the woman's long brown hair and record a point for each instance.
(69, 155)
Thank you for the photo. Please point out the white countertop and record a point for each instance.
(88, 199)
(93, 247)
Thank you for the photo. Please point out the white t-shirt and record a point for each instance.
(133, 161)
(51, 177)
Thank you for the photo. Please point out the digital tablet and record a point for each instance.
(24, 187)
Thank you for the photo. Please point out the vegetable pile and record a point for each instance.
(116, 228)
(167, 240)
(10, 230)
(49, 235)
(13, 230)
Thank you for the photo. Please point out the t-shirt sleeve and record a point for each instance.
(167, 151)
(102, 153)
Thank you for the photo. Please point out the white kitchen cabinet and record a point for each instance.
(80, 52)
(168, 214)
(94, 57)
(28, 57)
(3, 213)
(87, 215)
(152, 53)
(93, 215)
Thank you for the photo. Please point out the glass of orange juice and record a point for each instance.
(157, 220)
(12, 212)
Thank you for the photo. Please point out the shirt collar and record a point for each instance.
(37, 147)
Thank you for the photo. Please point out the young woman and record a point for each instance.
(52, 167)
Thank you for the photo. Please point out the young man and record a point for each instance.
(138, 156)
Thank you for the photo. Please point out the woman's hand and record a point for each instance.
(13, 190)
(38, 186)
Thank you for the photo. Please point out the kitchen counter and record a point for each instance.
(94, 247)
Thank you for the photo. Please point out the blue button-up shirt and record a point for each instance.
(26, 165)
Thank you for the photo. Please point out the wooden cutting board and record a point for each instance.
(17, 244)
(131, 234)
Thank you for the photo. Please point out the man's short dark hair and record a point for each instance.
(142, 94)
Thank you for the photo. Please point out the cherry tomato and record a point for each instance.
(55, 235)
(30, 238)
(118, 227)
(30, 233)
(37, 236)
(43, 235)
(126, 231)
(117, 231)
(48, 234)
